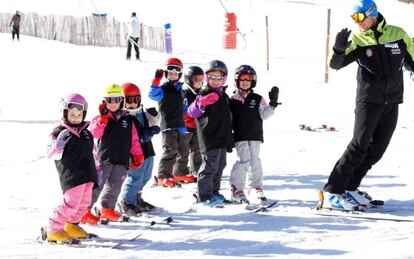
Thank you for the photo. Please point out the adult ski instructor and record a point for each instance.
(381, 51)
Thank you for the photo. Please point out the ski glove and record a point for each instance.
(157, 77)
(136, 161)
(209, 99)
(341, 41)
(62, 139)
(273, 96)
(103, 110)
(152, 111)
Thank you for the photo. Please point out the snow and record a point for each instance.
(36, 73)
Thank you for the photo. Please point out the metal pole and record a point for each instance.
(267, 44)
(327, 46)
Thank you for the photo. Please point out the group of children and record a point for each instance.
(198, 123)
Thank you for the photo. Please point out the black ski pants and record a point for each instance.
(210, 173)
(16, 32)
(132, 41)
(373, 129)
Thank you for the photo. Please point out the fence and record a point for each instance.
(88, 30)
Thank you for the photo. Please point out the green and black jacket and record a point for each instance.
(380, 52)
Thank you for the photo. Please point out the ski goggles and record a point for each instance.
(246, 77)
(211, 77)
(361, 16)
(76, 106)
(174, 68)
(133, 99)
(116, 99)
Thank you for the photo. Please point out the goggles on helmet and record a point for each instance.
(360, 17)
(133, 99)
(77, 106)
(116, 99)
(174, 68)
(246, 77)
(215, 77)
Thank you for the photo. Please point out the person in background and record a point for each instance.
(134, 34)
(380, 51)
(15, 24)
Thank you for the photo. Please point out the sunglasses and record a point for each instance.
(77, 106)
(174, 68)
(360, 17)
(133, 99)
(116, 99)
(215, 77)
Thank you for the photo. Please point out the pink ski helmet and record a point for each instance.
(74, 101)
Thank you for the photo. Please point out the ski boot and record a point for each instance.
(89, 218)
(238, 196)
(168, 182)
(189, 178)
(363, 198)
(58, 236)
(128, 209)
(75, 231)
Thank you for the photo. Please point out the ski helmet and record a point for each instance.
(190, 73)
(245, 69)
(174, 64)
(113, 90)
(217, 65)
(368, 7)
(131, 89)
(132, 93)
(74, 101)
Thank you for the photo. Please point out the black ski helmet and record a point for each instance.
(190, 72)
(217, 65)
(245, 69)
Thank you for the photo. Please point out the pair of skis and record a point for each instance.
(93, 237)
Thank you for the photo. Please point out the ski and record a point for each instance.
(43, 239)
(166, 220)
(263, 208)
(355, 214)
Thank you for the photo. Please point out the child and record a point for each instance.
(72, 149)
(212, 110)
(132, 203)
(175, 139)
(249, 110)
(119, 148)
(193, 77)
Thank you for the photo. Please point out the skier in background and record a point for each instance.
(133, 36)
(249, 109)
(72, 149)
(380, 51)
(15, 24)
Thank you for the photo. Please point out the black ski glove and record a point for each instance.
(152, 111)
(341, 41)
(273, 96)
